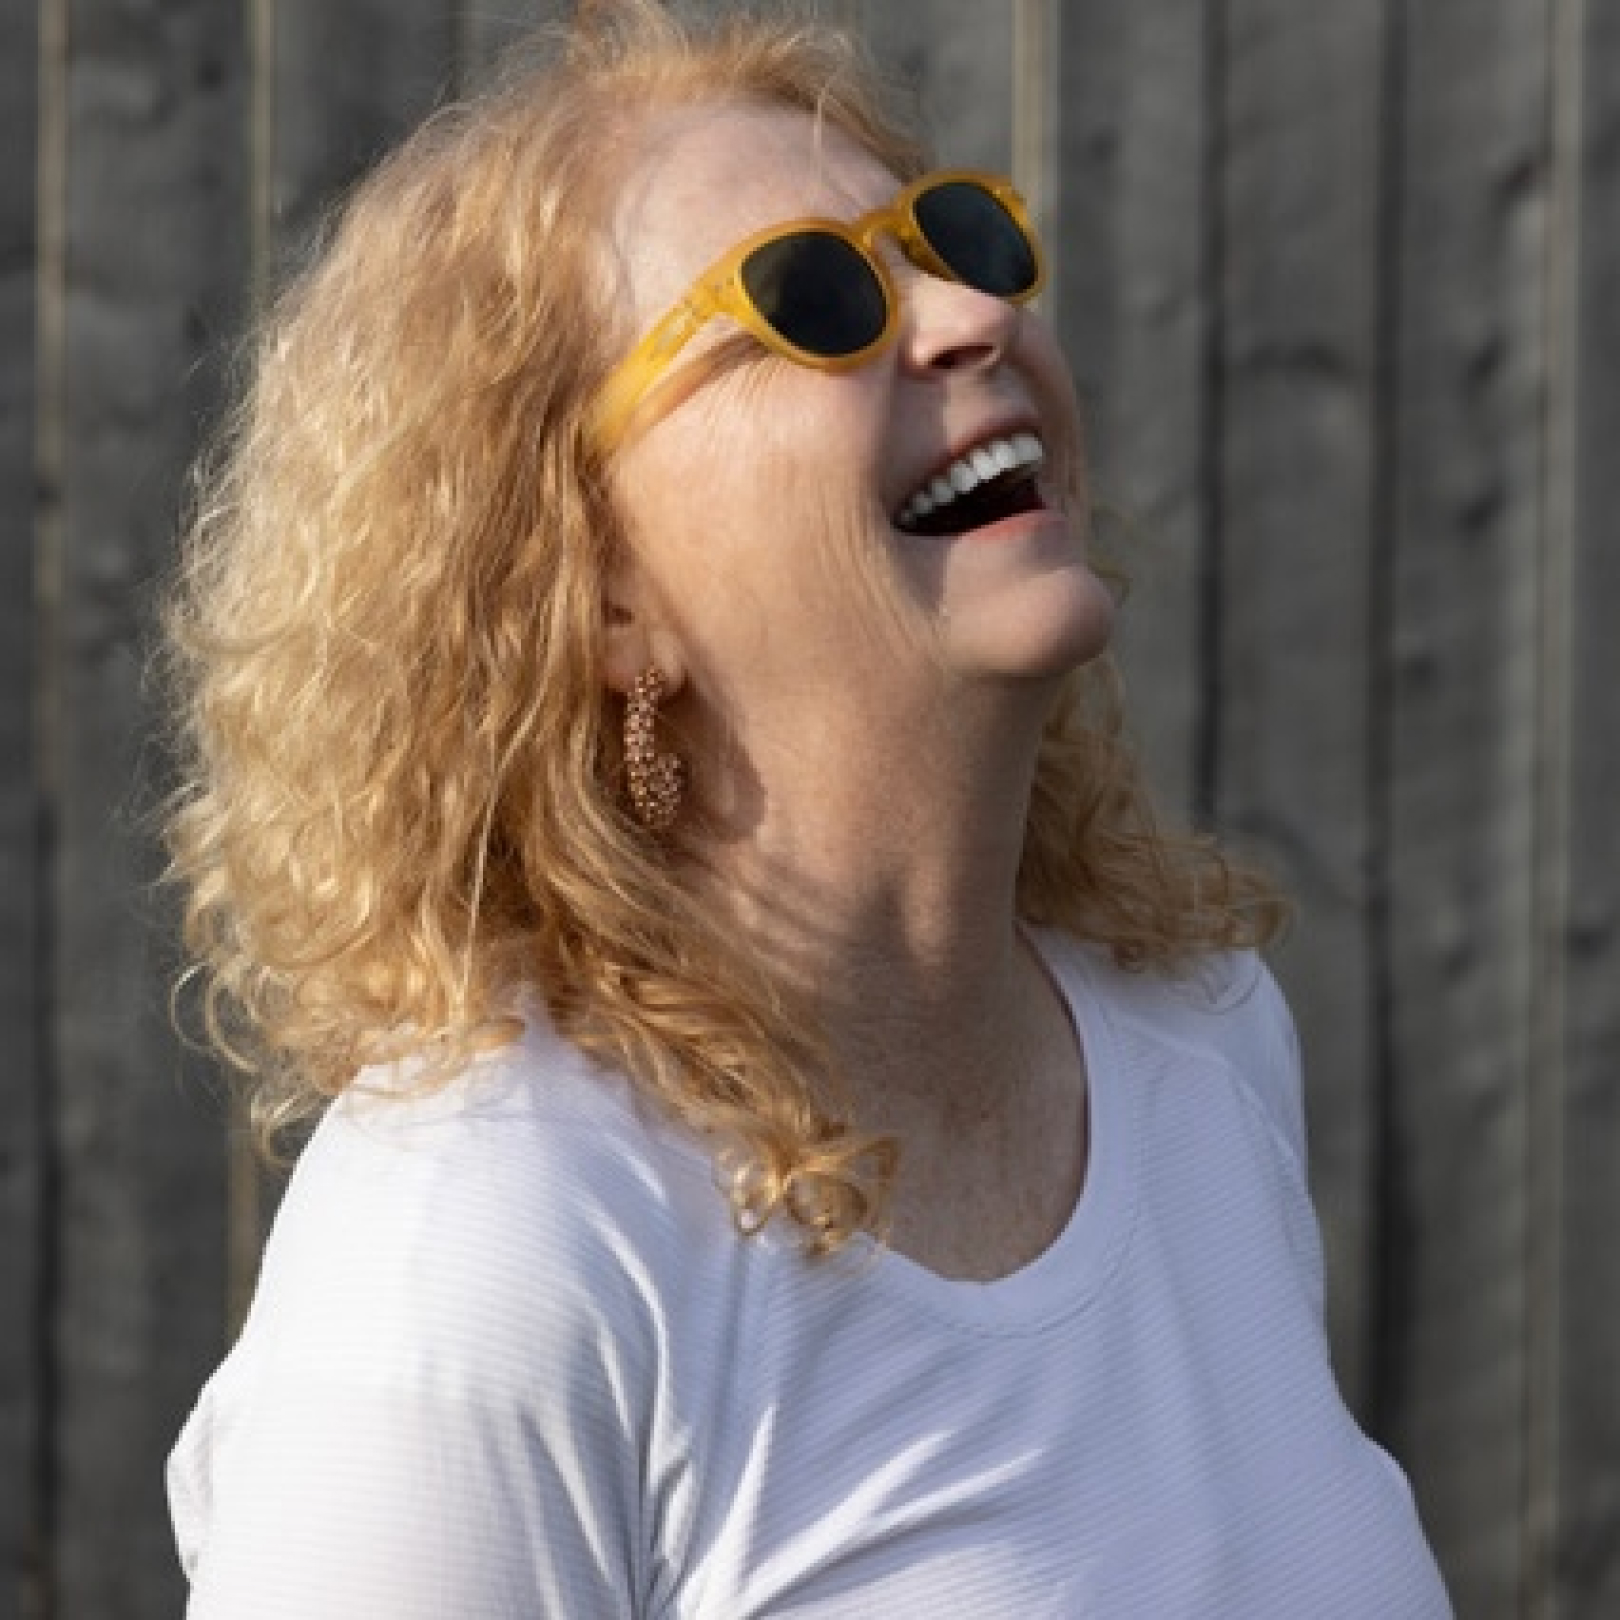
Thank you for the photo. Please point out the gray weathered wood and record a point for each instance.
(1559, 1314)
(1132, 302)
(1338, 284)
(345, 82)
(959, 57)
(1295, 436)
(156, 267)
(23, 1157)
(1468, 460)
(1587, 1504)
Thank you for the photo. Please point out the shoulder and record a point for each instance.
(1221, 1008)
(445, 1391)
(534, 1204)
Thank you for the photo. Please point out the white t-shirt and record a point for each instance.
(509, 1358)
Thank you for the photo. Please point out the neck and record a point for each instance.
(882, 890)
(880, 885)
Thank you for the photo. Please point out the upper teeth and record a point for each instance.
(978, 466)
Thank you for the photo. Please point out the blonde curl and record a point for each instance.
(400, 762)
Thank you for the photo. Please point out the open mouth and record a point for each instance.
(991, 482)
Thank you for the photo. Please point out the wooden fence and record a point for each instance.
(1342, 284)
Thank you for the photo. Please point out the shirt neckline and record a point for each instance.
(1069, 1273)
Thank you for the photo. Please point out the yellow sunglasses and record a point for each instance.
(815, 291)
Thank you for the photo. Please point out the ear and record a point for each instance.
(635, 633)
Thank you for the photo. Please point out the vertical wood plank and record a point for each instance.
(1130, 240)
(1463, 636)
(1547, 1056)
(345, 82)
(1297, 380)
(1550, 1105)
(22, 1158)
(1587, 1572)
(959, 56)
(155, 264)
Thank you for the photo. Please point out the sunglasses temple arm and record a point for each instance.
(633, 378)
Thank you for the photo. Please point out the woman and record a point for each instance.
(800, 1140)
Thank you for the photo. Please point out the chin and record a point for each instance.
(1049, 634)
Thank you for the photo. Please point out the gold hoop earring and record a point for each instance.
(655, 781)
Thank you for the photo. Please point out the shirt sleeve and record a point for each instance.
(1275, 1070)
(436, 1408)
(367, 1502)
(1268, 1062)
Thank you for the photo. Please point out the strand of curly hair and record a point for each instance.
(402, 778)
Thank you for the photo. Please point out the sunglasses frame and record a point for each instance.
(720, 290)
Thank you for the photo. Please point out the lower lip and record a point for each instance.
(1003, 529)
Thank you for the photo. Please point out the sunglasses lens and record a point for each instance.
(977, 239)
(818, 292)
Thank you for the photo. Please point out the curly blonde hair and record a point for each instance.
(401, 761)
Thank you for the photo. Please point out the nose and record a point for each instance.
(949, 326)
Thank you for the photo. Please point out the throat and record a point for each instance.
(979, 1204)
(990, 1117)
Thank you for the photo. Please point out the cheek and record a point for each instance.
(754, 509)
(755, 460)
(699, 526)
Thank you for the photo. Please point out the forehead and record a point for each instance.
(710, 176)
